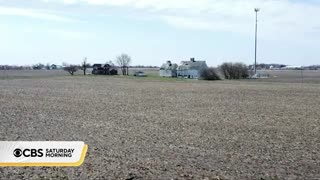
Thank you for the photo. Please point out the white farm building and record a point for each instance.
(168, 70)
(191, 69)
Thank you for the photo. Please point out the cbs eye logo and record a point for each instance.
(17, 152)
(28, 152)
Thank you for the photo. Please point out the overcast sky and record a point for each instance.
(153, 31)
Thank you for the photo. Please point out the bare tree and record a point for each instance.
(84, 66)
(48, 66)
(71, 69)
(124, 61)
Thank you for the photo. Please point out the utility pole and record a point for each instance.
(256, 41)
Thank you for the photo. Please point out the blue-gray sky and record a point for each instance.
(153, 31)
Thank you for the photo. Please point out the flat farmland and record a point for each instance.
(140, 128)
(30, 74)
(292, 76)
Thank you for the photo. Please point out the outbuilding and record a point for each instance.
(191, 69)
(168, 70)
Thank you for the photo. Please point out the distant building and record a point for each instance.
(97, 65)
(191, 69)
(292, 68)
(274, 67)
(168, 70)
(104, 69)
(53, 66)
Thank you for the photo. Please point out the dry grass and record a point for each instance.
(160, 130)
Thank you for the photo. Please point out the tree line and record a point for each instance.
(227, 70)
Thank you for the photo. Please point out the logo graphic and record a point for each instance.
(42, 153)
(17, 153)
(28, 152)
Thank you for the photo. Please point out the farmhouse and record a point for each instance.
(168, 70)
(191, 69)
(104, 69)
(53, 66)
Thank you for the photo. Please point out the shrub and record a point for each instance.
(234, 70)
(71, 69)
(210, 74)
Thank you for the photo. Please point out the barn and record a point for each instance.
(191, 69)
(168, 70)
